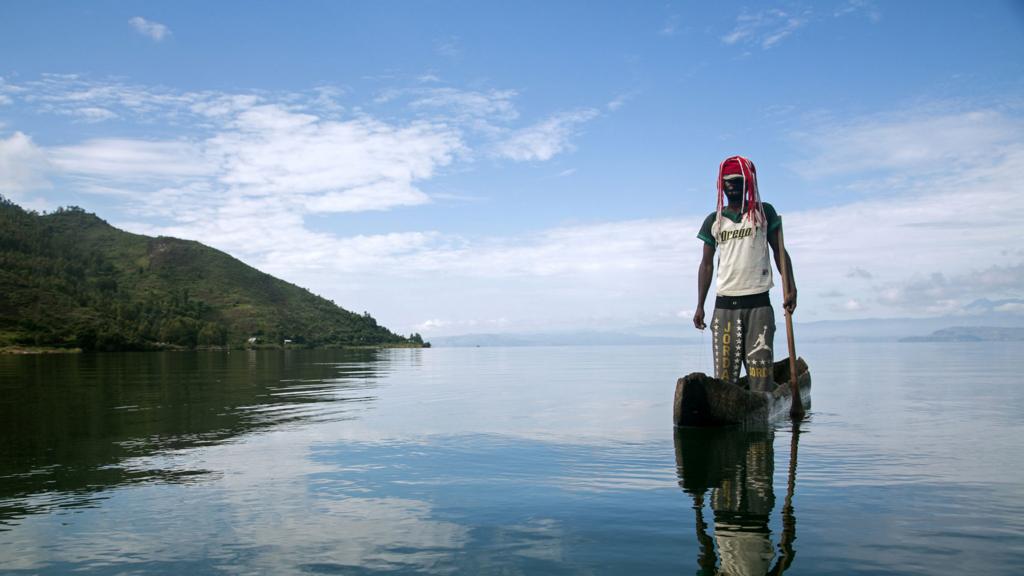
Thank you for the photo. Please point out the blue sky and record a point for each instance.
(459, 167)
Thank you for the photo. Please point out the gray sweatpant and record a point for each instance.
(744, 336)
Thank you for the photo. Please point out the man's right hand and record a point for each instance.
(698, 319)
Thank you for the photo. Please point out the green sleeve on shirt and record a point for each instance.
(771, 216)
(705, 233)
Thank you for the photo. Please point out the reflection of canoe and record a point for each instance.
(705, 401)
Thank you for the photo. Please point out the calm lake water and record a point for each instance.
(506, 461)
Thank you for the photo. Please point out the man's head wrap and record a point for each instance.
(743, 168)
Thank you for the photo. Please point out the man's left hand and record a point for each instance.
(790, 302)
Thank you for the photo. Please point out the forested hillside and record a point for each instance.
(69, 279)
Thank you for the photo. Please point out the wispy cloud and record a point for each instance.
(765, 28)
(485, 111)
(859, 7)
(912, 141)
(154, 30)
(268, 158)
(118, 160)
(938, 293)
(671, 26)
(545, 139)
(79, 97)
(449, 47)
(620, 101)
(94, 114)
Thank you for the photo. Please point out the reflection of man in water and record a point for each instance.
(737, 467)
(742, 504)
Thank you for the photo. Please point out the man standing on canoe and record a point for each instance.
(741, 230)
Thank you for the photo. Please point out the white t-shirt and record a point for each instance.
(744, 266)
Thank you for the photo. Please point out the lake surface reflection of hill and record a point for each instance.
(76, 425)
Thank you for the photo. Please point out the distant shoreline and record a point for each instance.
(25, 350)
(46, 350)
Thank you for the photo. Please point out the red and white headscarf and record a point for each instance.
(751, 208)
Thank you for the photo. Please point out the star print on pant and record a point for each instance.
(732, 349)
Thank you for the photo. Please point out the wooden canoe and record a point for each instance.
(703, 401)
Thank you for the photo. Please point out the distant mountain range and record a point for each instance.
(576, 338)
(971, 334)
(69, 279)
(985, 326)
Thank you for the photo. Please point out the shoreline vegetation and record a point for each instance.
(71, 281)
(46, 350)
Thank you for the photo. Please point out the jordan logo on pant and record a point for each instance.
(760, 344)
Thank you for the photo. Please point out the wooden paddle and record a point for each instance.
(796, 410)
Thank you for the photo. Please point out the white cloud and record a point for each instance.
(546, 139)
(936, 141)
(925, 228)
(378, 196)
(327, 99)
(937, 293)
(154, 30)
(275, 151)
(259, 150)
(432, 325)
(765, 28)
(568, 252)
(1011, 308)
(129, 159)
(23, 166)
(437, 326)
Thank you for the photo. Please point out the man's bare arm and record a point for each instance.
(789, 300)
(704, 273)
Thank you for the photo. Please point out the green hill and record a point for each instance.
(69, 279)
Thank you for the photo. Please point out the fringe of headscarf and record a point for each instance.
(751, 208)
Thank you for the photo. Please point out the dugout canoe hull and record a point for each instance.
(703, 401)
